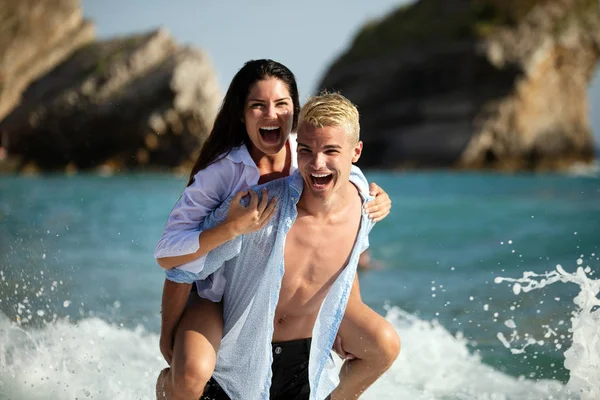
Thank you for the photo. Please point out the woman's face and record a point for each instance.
(268, 115)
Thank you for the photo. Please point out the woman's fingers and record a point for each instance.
(253, 200)
(268, 213)
(264, 201)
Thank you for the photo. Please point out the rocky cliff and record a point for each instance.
(474, 84)
(34, 37)
(135, 101)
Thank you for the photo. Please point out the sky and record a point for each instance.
(306, 36)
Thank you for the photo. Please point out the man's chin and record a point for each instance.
(321, 191)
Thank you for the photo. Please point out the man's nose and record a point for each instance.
(318, 161)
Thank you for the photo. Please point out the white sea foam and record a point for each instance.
(582, 359)
(91, 359)
(96, 360)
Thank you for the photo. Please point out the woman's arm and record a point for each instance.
(240, 220)
(210, 187)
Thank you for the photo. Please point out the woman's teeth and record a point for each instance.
(270, 134)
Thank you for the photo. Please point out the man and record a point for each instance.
(288, 285)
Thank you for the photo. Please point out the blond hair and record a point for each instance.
(329, 110)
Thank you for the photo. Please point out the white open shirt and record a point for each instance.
(211, 186)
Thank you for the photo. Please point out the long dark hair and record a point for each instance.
(228, 130)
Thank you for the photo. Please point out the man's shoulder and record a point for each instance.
(292, 183)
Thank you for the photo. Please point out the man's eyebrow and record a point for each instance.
(327, 147)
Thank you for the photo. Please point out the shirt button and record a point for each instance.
(278, 350)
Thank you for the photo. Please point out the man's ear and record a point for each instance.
(357, 151)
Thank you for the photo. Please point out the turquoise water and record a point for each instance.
(80, 291)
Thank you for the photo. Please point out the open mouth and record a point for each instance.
(270, 134)
(320, 180)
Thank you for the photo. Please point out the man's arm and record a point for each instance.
(174, 299)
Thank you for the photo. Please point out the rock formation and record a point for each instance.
(34, 37)
(474, 84)
(127, 102)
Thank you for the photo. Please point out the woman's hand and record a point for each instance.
(379, 208)
(249, 219)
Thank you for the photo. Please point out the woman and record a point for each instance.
(250, 143)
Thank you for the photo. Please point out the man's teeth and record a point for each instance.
(320, 175)
(269, 128)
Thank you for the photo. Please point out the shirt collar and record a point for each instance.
(240, 154)
(296, 183)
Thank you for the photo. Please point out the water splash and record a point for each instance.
(91, 359)
(435, 364)
(98, 360)
(582, 359)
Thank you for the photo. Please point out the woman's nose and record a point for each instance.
(271, 111)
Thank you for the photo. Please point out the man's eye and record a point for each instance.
(303, 151)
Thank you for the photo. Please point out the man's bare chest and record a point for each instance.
(317, 252)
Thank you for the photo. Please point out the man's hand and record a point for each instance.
(166, 347)
(379, 208)
(339, 349)
(253, 217)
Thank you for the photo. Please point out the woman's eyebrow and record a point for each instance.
(262, 101)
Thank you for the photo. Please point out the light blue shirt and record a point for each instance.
(254, 268)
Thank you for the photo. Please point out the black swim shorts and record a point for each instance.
(290, 373)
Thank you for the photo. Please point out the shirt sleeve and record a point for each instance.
(215, 259)
(359, 179)
(211, 186)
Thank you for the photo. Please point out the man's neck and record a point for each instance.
(325, 208)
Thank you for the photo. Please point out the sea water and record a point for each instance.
(459, 258)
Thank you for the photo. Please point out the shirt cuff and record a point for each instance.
(179, 245)
(181, 276)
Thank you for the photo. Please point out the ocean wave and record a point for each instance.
(98, 360)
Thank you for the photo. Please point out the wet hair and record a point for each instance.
(228, 130)
(332, 109)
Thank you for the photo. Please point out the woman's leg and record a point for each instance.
(372, 340)
(197, 341)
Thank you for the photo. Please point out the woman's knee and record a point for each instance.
(193, 375)
(388, 342)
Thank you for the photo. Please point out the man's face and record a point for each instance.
(325, 157)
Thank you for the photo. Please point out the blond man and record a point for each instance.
(288, 286)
